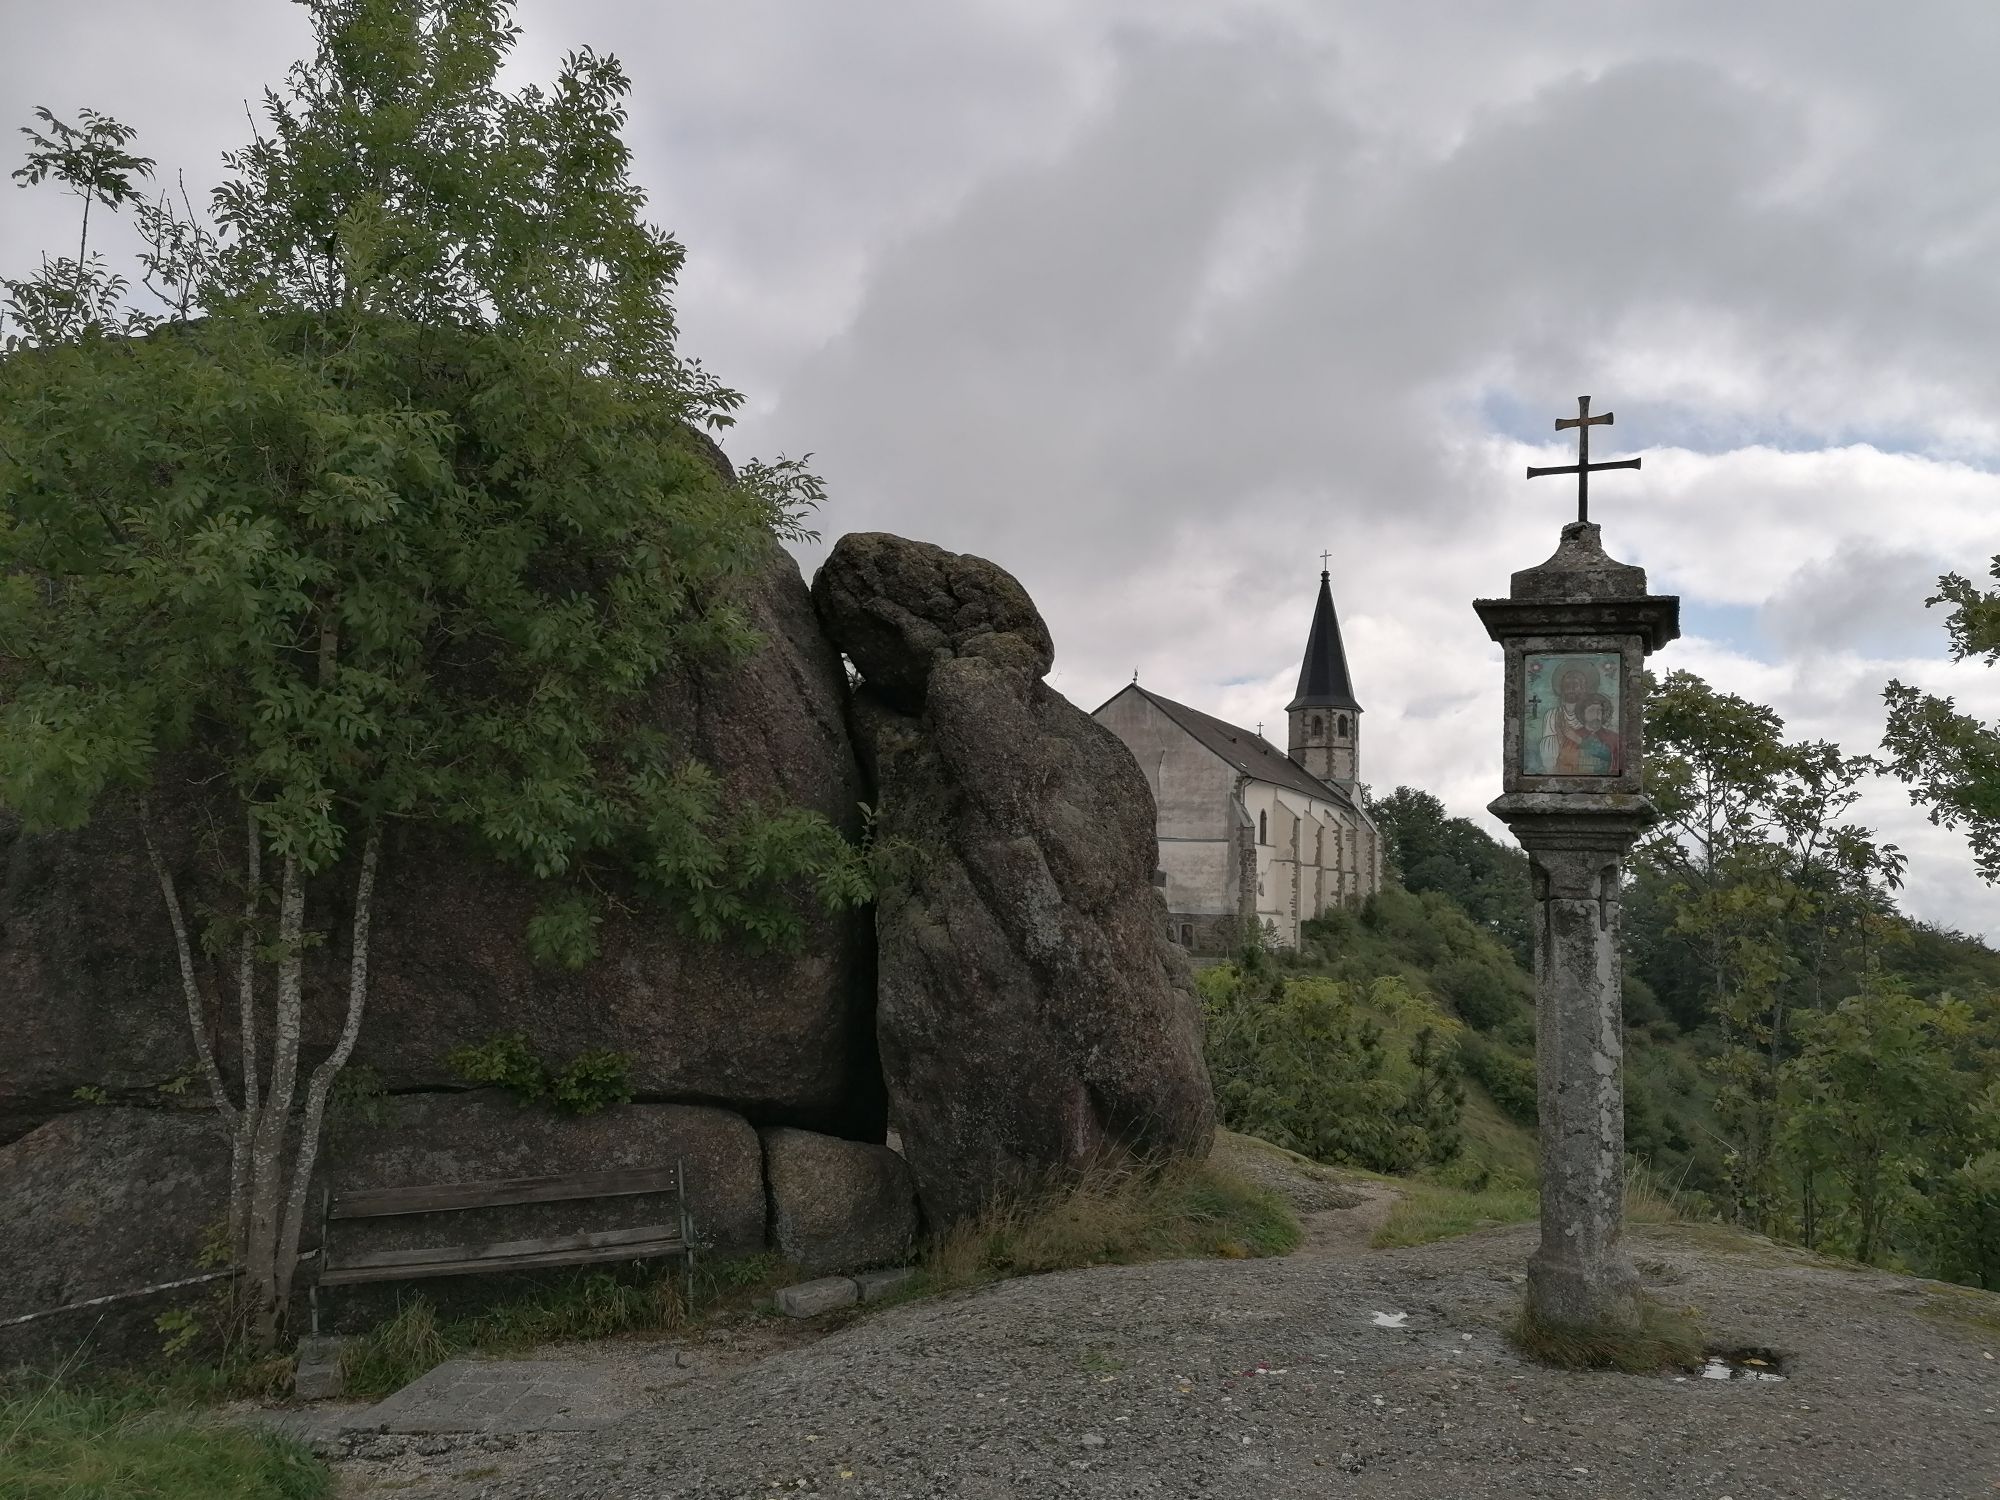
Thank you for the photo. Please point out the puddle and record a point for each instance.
(1744, 1364)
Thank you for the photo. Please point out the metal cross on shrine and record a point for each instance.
(1583, 468)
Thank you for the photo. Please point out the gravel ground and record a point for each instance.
(1273, 1378)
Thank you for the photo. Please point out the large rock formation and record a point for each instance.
(107, 1201)
(101, 1202)
(1032, 1013)
(92, 995)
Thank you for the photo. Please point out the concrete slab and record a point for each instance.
(493, 1395)
(811, 1298)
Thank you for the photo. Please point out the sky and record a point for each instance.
(1152, 301)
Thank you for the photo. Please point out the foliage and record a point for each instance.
(1432, 851)
(1951, 760)
(392, 516)
(1333, 1070)
(60, 1443)
(587, 1083)
(1761, 896)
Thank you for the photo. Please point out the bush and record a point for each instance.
(1507, 1077)
(1483, 995)
(584, 1085)
(1333, 1070)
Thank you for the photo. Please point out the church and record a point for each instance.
(1250, 835)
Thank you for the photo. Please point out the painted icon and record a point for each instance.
(1570, 718)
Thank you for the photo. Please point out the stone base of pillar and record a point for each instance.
(1567, 1289)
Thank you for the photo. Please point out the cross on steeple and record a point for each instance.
(1583, 468)
(1324, 559)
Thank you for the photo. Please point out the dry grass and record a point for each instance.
(1663, 1338)
(1114, 1215)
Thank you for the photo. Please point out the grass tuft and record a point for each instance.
(593, 1305)
(1114, 1215)
(1664, 1338)
(61, 1443)
(1429, 1211)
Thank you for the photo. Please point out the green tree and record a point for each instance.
(1430, 850)
(1950, 759)
(1764, 888)
(1871, 1083)
(393, 521)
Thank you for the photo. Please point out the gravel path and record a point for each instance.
(1273, 1378)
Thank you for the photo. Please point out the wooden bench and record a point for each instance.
(463, 1258)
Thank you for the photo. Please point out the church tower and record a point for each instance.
(1325, 719)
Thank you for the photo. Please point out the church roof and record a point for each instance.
(1249, 752)
(1323, 680)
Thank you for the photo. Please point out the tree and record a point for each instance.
(1950, 759)
(391, 520)
(1872, 1081)
(1432, 851)
(1760, 880)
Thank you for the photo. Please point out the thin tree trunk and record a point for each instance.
(320, 1089)
(190, 991)
(244, 1136)
(261, 1271)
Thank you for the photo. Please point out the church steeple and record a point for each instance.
(1325, 717)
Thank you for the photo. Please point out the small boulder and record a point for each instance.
(837, 1205)
(898, 608)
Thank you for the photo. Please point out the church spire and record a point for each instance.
(1323, 679)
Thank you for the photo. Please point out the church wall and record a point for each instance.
(1196, 827)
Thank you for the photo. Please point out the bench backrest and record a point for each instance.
(445, 1197)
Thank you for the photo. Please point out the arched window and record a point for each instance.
(1263, 830)
(1340, 726)
(1187, 934)
(1318, 726)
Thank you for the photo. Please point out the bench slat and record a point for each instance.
(377, 1203)
(457, 1260)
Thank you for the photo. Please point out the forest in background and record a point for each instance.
(1802, 1058)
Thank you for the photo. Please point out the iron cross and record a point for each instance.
(1324, 559)
(1583, 468)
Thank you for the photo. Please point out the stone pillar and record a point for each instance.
(1576, 632)
(1580, 1273)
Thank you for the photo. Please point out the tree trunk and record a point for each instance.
(261, 1271)
(320, 1088)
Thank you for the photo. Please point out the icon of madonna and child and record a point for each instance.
(1570, 727)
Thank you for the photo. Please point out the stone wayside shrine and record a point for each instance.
(1576, 631)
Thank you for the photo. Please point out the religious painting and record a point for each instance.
(1570, 718)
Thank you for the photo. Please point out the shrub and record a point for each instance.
(1333, 1070)
(584, 1085)
(1507, 1077)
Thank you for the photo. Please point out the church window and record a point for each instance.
(1340, 726)
(1187, 934)
(1318, 726)
(1263, 830)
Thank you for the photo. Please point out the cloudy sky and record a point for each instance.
(1153, 300)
